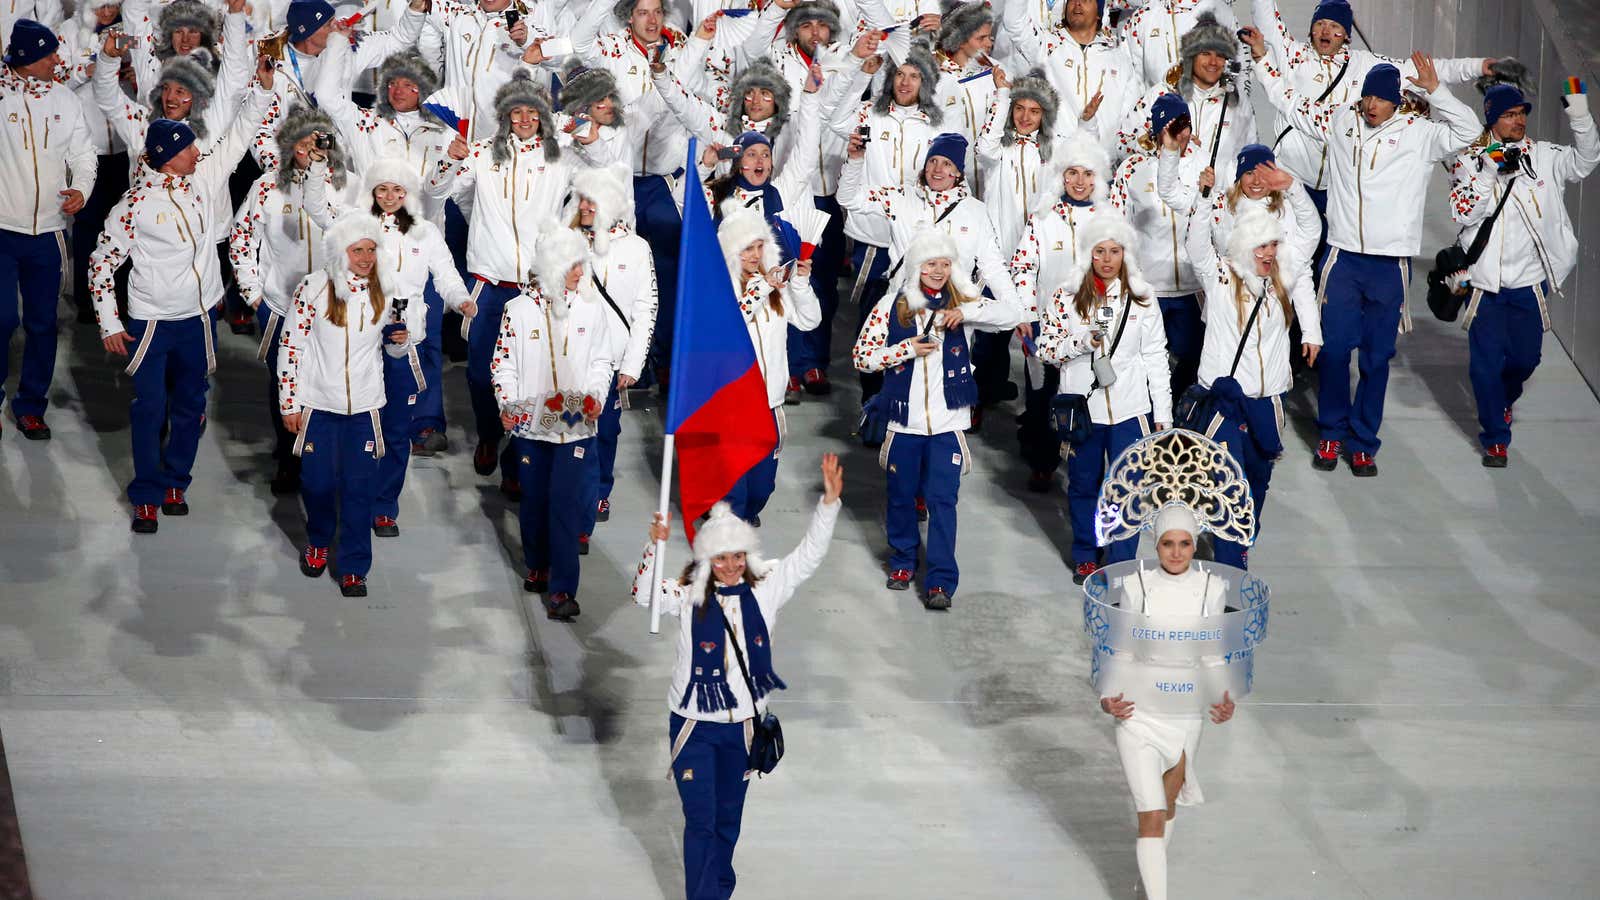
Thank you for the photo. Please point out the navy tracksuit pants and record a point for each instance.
(429, 409)
(557, 484)
(1086, 470)
(813, 349)
(1186, 336)
(338, 475)
(927, 466)
(605, 448)
(709, 772)
(169, 389)
(482, 335)
(1365, 296)
(661, 226)
(1505, 343)
(1242, 446)
(401, 398)
(30, 270)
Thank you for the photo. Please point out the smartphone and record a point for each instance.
(866, 133)
(728, 153)
(512, 17)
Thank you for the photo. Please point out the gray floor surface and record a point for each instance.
(188, 717)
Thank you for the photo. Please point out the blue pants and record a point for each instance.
(1186, 335)
(399, 405)
(813, 349)
(1242, 446)
(605, 443)
(271, 334)
(429, 410)
(481, 338)
(661, 226)
(170, 383)
(871, 283)
(1086, 469)
(709, 772)
(749, 495)
(557, 480)
(30, 266)
(338, 471)
(1505, 342)
(1036, 431)
(1320, 200)
(926, 466)
(1365, 295)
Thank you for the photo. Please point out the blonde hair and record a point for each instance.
(1242, 308)
(1274, 205)
(337, 307)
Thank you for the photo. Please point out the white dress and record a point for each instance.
(1152, 743)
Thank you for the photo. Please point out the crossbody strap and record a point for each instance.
(1481, 242)
(1245, 334)
(1116, 339)
(739, 655)
(1326, 93)
(611, 303)
(941, 217)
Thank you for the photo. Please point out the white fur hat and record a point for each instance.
(1109, 226)
(349, 229)
(1176, 517)
(932, 244)
(393, 170)
(742, 226)
(560, 248)
(724, 532)
(1256, 227)
(612, 194)
(1079, 150)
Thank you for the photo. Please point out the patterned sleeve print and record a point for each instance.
(1119, 185)
(871, 352)
(1466, 193)
(109, 253)
(244, 243)
(296, 340)
(503, 365)
(1025, 268)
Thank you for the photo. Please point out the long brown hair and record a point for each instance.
(774, 296)
(1088, 292)
(337, 306)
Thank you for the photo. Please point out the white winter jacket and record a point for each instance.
(1154, 33)
(1078, 72)
(510, 203)
(277, 239)
(894, 154)
(1205, 110)
(1302, 224)
(543, 350)
(628, 273)
(769, 329)
(1144, 379)
(327, 367)
(1047, 253)
(1161, 228)
(1013, 176)
(44, 149)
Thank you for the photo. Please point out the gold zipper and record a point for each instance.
(34, 150)
(516, 239)
(199, 286)
(349, 401)
(550, 329)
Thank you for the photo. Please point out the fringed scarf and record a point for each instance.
(713, 661)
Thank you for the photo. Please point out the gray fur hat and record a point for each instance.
(1207, 34)
(298, 123)
(521, 91)
(192, 77)
(760, 74)
(583, 86)
(824, 11)
(1509, 70)
(921, 56)
(187, 14)
(961, 21)
(1034, 86)
(410, 65)
(623, 10)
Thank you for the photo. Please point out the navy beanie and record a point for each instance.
(306, 16)
(1500, 99)
(1251, 156)
(951, 146)
(1383, 82)
(164, 140)
(749, 139)
(1167, 107)
(30, 42)
(1336, 11)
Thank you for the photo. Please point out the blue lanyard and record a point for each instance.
(294, 60)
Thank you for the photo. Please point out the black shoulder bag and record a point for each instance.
(1070, 412)
(766, 744)
(611, 303)
(1197, 407)
(1326, 93)
(1443, 299)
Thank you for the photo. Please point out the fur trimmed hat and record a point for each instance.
(1509, 70)
(1109, 226)
(723, 532)
(295, 126)
(187, 14)
(740, 227)
(823, 11)
(583, 86)
(610, 190)
(922, 58)
(560, 248)
(192, 77)
(761, 74)
(351, 228)
(1254, 228)
(960, 22)
(87, 8)
(1080, 150)
(393, 170)
(1034, 86)
(1207, 34)
(410, 65)
(521, 91)
(932, 244)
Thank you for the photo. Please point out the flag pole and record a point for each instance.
(661, 546)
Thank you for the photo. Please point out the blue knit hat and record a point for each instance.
(1251, 156)
(306, 16)
(164, 140)
(30, 42)
(749, 139)
(951, 146)
(1382, 82)
(1166, 108)
(1335, 11)
(1502, 98)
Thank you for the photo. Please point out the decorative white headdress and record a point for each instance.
(1175, 468)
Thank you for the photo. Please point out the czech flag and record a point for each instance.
(716, 401)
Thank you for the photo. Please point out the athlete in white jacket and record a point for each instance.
(1153, 34)
(552, 370)
(1090, 69)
